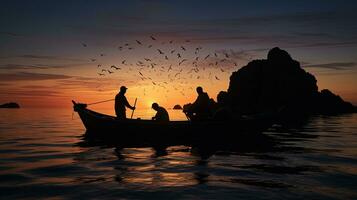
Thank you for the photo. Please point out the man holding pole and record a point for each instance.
(121, 102)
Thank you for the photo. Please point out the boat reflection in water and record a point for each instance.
(155, 166)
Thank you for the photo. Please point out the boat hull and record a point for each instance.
(174, 132)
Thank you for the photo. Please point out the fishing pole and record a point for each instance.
(101, 102)
(132, 113)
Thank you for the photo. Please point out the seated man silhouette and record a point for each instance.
(200, 109)
(161, 114)
(121, 102)
(222, 112)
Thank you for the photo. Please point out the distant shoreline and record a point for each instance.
(10, 105)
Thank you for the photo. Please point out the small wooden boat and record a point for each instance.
(178, 132)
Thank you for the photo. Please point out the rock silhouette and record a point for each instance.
(329, 103)
(177, 107)
(10, 105)
(279, 83)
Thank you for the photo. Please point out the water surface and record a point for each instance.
(43, 154)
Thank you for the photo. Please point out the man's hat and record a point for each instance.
(122, 88)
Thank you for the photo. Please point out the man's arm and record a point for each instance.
(127, 104)
(195, 104)
(155, 117)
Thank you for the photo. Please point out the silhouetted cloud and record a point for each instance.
(94, 84)
(28, 76)
(40, 66)
(326, 44)
(143, 20)
(20, 66)
(31, 56)
(12, 34)
(314, 34)
(237, 55)
(18, 92)
(334, 66)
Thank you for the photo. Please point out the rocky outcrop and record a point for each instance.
(10, 105)
(279, 82)
(328, 103)
(177, 107)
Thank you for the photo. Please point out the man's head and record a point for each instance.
(199, 90)
(123, 89)
(155, 106)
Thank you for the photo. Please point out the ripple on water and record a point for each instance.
(48, 157)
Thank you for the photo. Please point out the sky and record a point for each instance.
(54, 51)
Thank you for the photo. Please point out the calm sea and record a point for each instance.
(43, 154)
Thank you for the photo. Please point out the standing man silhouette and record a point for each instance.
(121, 102)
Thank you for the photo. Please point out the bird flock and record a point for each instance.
(174, 64)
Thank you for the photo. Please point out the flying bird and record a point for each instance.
(183, 48)
(110, 72)
(150, 46)
(102, 55)
(166, 58)
(160, 51)
(207, 56)
(114, 67)
(123, 62)
(93, 60)
(84, 45)
(172, 51)
(100, 74)
(99, 65)
(182, 61)
(178, 55)
(217, 78)
(137, 41)
(152, 37)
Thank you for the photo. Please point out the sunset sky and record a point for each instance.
(50, 50)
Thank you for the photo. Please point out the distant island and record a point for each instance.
(10, 105)
(177, 107)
